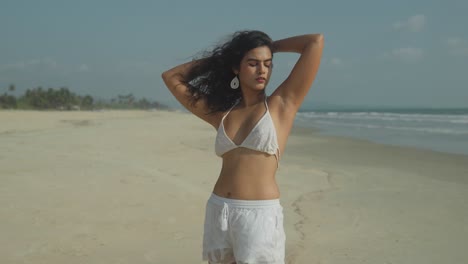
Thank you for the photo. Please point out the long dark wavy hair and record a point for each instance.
(211, 76)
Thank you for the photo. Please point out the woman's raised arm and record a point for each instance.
(294, 89)
(175, 82)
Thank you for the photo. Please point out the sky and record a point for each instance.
(396, 53)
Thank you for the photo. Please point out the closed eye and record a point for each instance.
(266, 65)
(254, 62)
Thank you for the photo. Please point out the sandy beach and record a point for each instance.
(131, 187)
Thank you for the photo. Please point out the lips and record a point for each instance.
(261, 79)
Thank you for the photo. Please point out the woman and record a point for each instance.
(226, 88)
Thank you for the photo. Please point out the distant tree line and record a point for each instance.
(63, 99)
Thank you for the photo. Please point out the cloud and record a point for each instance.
(457, 46)
(454, 42)
(336, 61)
(333, 62)
(83, 68)
(407, 54)
(44, 64)
(413, 24)
(34, 63)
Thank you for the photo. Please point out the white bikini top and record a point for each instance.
(261, 138)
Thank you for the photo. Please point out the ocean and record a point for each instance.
(444, 130)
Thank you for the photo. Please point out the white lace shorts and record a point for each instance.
(243, 231)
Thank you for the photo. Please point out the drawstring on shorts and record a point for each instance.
(224, 217)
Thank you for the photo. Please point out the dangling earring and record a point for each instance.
(235, 83)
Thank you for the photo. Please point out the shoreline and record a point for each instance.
(318, 131)
(297, 128)
(364, 174)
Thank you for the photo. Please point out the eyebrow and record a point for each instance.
(256, 60)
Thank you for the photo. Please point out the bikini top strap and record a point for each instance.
(230, 109)
(266, 104)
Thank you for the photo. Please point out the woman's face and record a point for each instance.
(255, 68)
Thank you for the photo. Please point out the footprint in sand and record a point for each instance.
(178, 235)
(79, 123)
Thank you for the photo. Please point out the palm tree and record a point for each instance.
(87, 102)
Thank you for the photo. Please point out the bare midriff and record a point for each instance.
(247, 175)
